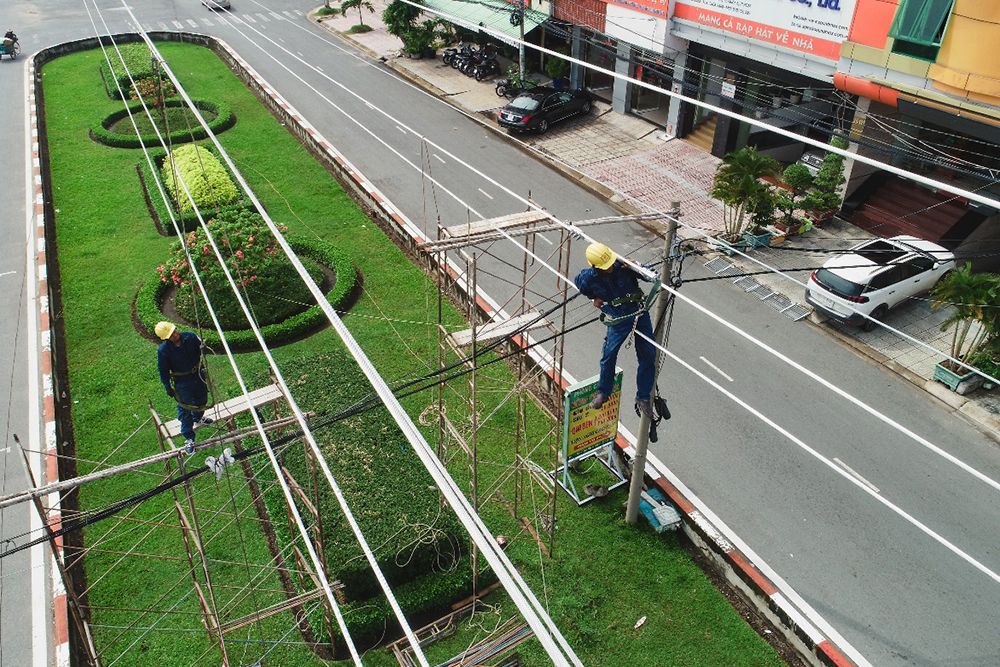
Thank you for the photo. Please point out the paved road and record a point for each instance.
(905, 572)
(23, 608)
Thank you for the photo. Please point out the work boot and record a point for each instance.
(645, 409)
(597, 401)
(205, 421)
(189, 446)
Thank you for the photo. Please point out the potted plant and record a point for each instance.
(557, 68)
(795, 183)
(758, 234)
(826, 197)
(974, 299)
(745, 197)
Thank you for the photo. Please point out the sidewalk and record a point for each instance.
(629, 161)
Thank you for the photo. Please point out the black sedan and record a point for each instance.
(538, 108)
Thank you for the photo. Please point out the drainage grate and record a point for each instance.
(779, 302)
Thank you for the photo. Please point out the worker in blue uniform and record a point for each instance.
(614, 288)
(179, 362)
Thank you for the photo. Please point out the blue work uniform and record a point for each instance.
(182, 364)
(610, 288)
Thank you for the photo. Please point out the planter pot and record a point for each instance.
(757, 240)
(819, 217)
(960, 383)
(558, 84)
(429, 53)
(792, 228)
(729, 247)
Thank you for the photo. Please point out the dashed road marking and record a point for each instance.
(249, 19)
(856, 475)
(716, 369)
(192, 23)
(178, 25)
(263, 18)
(485, 193)
(7, 273)
(440, 159)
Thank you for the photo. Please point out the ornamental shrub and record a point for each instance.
(219, 115)
(205, 177)
(269, 284)
(138, 61)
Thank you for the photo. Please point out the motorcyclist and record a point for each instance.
(10, 35)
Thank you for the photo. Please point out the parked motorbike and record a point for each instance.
(451, 53)
(486, 68)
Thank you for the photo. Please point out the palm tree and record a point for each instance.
(360, 4)
(738, 186)
(975, 302)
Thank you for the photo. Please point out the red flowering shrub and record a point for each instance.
(154, 91)
(268, 282)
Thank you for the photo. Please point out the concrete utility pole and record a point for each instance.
(666, 273)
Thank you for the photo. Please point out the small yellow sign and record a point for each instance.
(588, 428)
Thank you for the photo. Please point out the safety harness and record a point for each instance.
(205, 375)
(636, 296)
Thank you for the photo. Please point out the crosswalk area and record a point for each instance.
(224, 18)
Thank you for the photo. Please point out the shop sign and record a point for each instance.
(812, 26)
(729, 89)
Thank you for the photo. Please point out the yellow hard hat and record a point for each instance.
(600, 256)
(164, 329)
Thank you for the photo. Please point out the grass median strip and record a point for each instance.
(604, 576)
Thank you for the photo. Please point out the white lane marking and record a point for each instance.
(485, 193)
(401, 129)
(300, 54)
(288, 14)
(163, 26)
(7, 273)
(249, 19)
(299, 12)
(207, 22)
(913, 521)
(440, 159)
(192, 23)
(178, 25)
(263, 18)
(716, 369)
(147, 27)
(275, 15)
(856, 474)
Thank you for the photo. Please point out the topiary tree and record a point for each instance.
(797, 181)
(268, 281)
(825, 198)
(739, 187)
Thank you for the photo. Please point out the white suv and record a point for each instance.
(875, 276)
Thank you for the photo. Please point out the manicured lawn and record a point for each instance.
(605, 575)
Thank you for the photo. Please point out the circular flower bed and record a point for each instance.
(218, 115)
(277, 294)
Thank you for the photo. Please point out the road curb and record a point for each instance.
(60, 611)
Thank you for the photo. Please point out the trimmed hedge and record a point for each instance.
(137, 58)
(207, 182)
(427, 571)
(101, 132)
(158, 208)
(149, 300)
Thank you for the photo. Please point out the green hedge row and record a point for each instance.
(158, 208)
(101, 132)
(404, 523)
(149, 300)
(137, 59)
(366, 453)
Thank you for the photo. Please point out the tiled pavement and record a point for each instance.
(648, 172)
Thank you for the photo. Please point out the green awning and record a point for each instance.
(495, 16)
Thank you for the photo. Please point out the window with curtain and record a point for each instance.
(919, 26)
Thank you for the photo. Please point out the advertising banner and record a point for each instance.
(817, 27)
(587, 429)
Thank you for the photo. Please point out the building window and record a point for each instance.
(919, 26)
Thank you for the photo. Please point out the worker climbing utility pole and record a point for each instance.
(663, 298)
